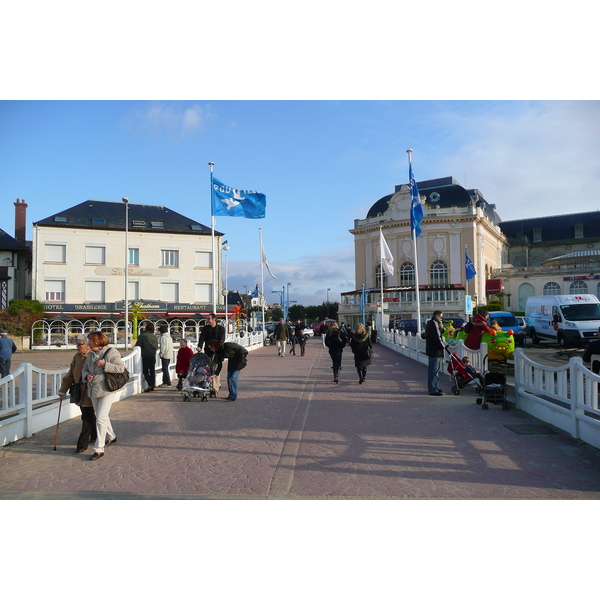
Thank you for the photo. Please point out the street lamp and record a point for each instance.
(328, 290)
(126, 201)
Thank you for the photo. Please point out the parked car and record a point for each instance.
(508, 321)
(308, 331)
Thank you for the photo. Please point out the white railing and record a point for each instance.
(29, 399)
(566, 397)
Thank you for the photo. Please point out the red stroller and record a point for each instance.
(461, 377)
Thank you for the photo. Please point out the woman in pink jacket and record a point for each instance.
(480, 326)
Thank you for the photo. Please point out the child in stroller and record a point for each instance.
(463, 374)
(199, 382)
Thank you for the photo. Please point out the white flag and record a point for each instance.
(264, 259)
(387, 260)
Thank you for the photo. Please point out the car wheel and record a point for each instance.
(562, 342)
(534, 338)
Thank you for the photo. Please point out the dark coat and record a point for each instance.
(210, 333)
(335, 340)
(361, 348)
(235, 354)
(148, 344)
(434, 342)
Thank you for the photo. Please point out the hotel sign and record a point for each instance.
(132, 272)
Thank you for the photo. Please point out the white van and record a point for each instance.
(569, 320)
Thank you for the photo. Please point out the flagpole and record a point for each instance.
(262, 283)
(212, 229)
(414, 237)
(467, 281)
(381, 273)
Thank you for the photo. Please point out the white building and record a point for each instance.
(79, 261)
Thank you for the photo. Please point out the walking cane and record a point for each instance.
(58, 422)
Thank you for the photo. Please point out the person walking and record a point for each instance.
(182, 366)
(74, 376)
(166, 354)
(282, 334)
(360, 343)
(434, 349)
(7, 349)
(102, 358)
(335, 340)
(237, 359)
(211, 331)
(300, 336)
(323, 331)
(148, 344)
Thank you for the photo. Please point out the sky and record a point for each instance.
(320, 163)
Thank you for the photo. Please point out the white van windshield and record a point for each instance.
(581, 312)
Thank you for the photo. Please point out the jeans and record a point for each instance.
(148, 370)
(232, 383)
(336, 359)
(433, 373)
(103, 425)
(165, 371)
(4, 367)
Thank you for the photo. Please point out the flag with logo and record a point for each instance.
(416, 208)
(231, 202)
(387, 260)
(470, 271)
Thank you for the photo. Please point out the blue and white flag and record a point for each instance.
(416, 208)
(230, 202)
(254, 293)
(470, 271)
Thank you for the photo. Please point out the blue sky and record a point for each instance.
(321, 164)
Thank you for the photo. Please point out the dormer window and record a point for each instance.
(139, 223)
(578, 230)
(61, 219)
(537, 234)
(98, 221)
(156, 224)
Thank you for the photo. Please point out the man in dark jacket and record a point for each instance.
(434, 348)
(148, 344)
(211, 331)
(236, 356)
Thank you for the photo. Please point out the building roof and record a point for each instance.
(7, 242)
(554, 228)
(443, 192)
(574, 255)
(98, 214)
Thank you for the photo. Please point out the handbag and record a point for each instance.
(115, 381)
(75, 393)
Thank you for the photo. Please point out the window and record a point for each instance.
(170, 258)
(169, 292)
(378, 282)
(525, 290)
(551, 289)
(438, 273)
(578, 230)
(203, 293)
(55, 290)
(407, 274)
(578, 287)
(537, 234)
(94, 291)
(98, 221)
(133, 257)
(133, 290)
(203, 259)
(56, 253)
(95, 255)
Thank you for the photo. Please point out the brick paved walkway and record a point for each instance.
(295, 434)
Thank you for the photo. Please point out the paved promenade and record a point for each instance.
(294, 434)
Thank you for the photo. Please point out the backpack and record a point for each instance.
(467, 328)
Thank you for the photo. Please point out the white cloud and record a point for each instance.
(172, 119)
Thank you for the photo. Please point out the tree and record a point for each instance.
(20, 316)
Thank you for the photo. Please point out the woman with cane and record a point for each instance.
(78, 390)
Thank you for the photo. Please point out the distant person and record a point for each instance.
(211, 331)
(74, 376)
(335, 340)
(323, 331)
(281, 335)
(300, 336)
(434, 349)
(360, 343)
(494, 325)
(102, 358)
(237, 359)
(166, 354)
(148, 344)
(7, 349)
(479, 327)
(182, 366)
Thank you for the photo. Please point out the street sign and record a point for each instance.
(468, 306)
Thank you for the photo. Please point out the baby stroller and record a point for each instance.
(494, 386)
(461, 376)
(198, 383)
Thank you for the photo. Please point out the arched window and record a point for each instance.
(378, 277)
(525, 290)
(438, 273)
(407, 274)
(551, 289)
(578, 287)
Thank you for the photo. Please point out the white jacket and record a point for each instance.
(166, 346)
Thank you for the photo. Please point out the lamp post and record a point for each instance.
(126, 201)
(328, 290)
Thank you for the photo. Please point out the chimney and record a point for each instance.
(20, 220)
